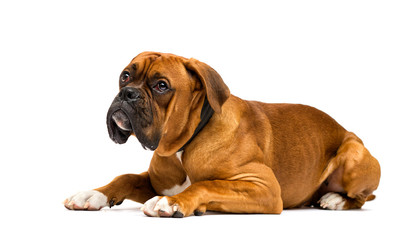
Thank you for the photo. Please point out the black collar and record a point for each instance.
(205, 116)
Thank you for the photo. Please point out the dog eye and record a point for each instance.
(125, 77)
(161, 87)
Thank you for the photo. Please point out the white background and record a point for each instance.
(59, 68)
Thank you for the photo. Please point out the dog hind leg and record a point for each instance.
(351, 176)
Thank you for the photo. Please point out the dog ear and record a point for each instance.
(216, 89)
(182, 118)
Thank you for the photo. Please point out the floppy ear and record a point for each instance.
(217, 91)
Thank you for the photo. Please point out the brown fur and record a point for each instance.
(252, 157)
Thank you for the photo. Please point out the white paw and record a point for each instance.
(159, 207)
(87, 200)
(333, 201)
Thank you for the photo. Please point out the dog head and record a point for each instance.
(160, 100)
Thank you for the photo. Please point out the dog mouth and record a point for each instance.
(125, 119)
(121, 120)
(119, 126)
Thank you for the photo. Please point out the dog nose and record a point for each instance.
(129, 94)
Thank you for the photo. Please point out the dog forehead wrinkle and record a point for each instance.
(142, 64)
(170, 64)
(157, 75)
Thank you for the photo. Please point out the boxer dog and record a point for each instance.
(214, 151)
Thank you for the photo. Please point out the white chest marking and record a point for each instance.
(179, 156)
(177, 188)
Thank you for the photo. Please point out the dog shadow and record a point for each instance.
(138, 211)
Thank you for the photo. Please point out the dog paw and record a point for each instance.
(87, 200)
(332, 201)
(160, 207)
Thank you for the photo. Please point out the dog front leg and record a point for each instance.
(136, 187)
(236, 196)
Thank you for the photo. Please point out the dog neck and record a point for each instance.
(205, 116)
